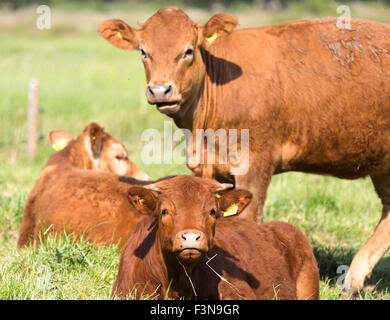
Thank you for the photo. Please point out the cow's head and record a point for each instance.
(170, 44)
(186, 208)
(97, 150)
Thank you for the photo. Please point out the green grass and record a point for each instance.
(60, 269)
(84, 79)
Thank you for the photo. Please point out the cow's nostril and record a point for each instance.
(168, 90)
(191, 237)
(150, 91)
(159, 93)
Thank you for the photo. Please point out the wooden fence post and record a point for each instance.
(32, 117)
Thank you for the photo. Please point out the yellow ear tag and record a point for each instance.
(231, 210)
(119, 35)
(141, 201)
(212, 38)
(217, 195)
(59, 145)
(93, 138)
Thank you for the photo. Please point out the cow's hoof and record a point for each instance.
(348, 292)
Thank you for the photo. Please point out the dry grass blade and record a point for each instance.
(222, 278)
(192, 285)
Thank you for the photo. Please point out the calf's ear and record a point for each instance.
(96, 135)
(119, 34)
(218, 27)
(143, 200)
(60, 139)
(233, 202)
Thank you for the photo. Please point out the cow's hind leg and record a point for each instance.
(377, 245)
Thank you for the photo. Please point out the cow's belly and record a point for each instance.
(350, 161)
(343, 163)
(337, 170)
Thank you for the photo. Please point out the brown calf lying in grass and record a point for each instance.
(184, 247)
(82, 190)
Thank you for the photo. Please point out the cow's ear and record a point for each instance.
(119, 33)
(233, 202)
(60, 139)
(218, 27)
(143, 200)
(96, 136)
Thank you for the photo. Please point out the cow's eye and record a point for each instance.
(164, 212)
(213, 213)
(143, 53)
(121, 157)
(188, 53)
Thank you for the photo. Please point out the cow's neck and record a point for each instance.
(182, 281)
(185, 119)
(201, 108)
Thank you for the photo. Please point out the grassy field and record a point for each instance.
(84, 79)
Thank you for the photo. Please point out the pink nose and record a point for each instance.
(159, 93)
(190, 239)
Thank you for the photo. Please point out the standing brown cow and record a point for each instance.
(81, 190)
(184, 246)
(315, 98)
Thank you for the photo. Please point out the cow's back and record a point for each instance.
(83, 202)
(297, 51)
(320, 93)
(260, 261)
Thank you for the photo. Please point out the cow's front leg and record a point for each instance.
(257, 181)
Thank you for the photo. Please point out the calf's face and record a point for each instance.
(186, 208)
(170, 44)
(98, 150)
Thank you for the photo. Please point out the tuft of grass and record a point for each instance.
(59, 268)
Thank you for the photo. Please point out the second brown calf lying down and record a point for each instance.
(81, 190)
(183, 245)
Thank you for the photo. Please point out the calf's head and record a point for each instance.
(186, 209)
(170, 44)
(97, 150)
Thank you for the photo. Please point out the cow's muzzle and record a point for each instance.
(190, 245)
(159, 93)
(164, 97)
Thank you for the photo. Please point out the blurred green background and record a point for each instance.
(83, 78)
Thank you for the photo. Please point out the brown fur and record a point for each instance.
(83, 195)
(315, 98)
(271, 261)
